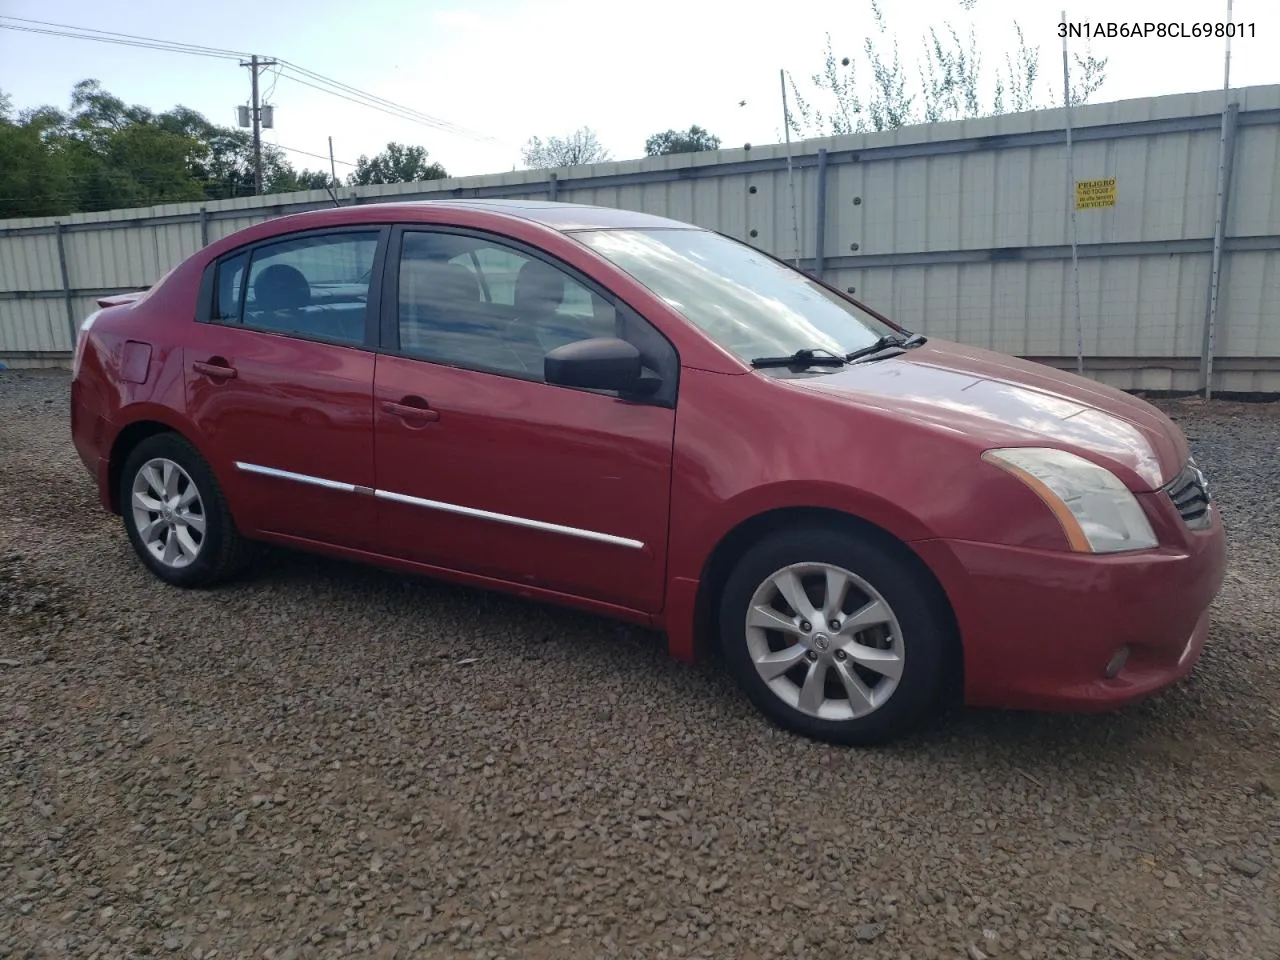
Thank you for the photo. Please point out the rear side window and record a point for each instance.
(315, 286)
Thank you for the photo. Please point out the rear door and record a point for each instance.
(279, 381)
(485, 468)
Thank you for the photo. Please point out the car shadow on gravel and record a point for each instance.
(540, 633)
(1056, 735)
(528, 628)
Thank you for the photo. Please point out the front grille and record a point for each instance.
(1189, 492)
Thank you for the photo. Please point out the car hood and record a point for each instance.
(1004, 401)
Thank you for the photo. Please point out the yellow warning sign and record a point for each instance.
(1092, 194)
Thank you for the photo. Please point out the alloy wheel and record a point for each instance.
(168, 512)
(825, 641)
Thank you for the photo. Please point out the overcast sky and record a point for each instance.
(509, 69)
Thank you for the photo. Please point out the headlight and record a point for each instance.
(1097, 512)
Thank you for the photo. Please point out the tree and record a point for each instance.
(226, 165)
(951, 83)
(223, 162)
(103, 154)
(673, 141)
(311, 180)
(398, 163)
(142, 164)
(581, 146)
(35, 177)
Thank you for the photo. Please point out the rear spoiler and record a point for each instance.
(119, 299)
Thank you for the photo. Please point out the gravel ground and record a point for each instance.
(304, 764)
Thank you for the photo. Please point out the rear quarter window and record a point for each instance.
(228, 287)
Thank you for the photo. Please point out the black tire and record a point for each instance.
(924, 630)
(222, 551)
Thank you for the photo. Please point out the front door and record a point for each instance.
(481, 466)
(279, 384)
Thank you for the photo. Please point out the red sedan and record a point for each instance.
(649, 420)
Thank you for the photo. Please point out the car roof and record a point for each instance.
(559, 216)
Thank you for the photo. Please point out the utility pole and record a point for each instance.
(255, 65)
(333, 170)
(1071, 199)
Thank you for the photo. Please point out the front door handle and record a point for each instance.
(411, 408)
(215, 369)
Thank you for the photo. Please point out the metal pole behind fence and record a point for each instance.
(791, 181)
(820, 230)
(60, 231)
(1220, 214)
(1071, 200)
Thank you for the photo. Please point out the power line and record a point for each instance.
(318, 156)
(69, 191)
(132, 36)
(398, 113)
(316, 81)
(109, 36)
(106, 174)
(380, 102)
(125, 43)
(275, 78)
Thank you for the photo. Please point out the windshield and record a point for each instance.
(747, 302)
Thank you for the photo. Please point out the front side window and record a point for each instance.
(313, 286)
(748, 303)
(470, 302)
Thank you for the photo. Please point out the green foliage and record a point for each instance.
(104, 154)
(398, 163)
(33, 176)
(674, 141)
(950, 77)
(1089, 75)
(890, 105)
(951, 83)
(311, 180)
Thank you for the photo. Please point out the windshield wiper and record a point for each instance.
(887, 342)
(802, 358)
(884, 343)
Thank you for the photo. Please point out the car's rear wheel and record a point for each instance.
(176, 516)
(834, 637)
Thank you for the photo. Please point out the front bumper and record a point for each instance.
(1039, 627)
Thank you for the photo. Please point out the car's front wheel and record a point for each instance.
(176, 516)
(833, 636)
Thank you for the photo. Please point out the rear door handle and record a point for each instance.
(411, 408)
(217, 371)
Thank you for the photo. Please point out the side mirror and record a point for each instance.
(601, 363)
